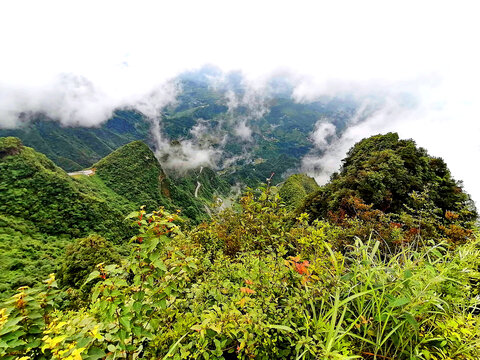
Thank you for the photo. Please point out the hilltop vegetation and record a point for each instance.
(349, 278)
(389, 185)
(134, 173)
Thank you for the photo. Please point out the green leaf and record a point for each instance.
(96, 353)
(411, 320)
(137, 306)
(162, 304)
(160, 265)
(399, 302)
(93, 275)
(280, 327)
(15, 343)
(174, 346)
(125, 321)
(347, 277)
(133, 214)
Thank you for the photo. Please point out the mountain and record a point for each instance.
(134, 173)
(34, 188)
(296, 188)
(385, 171)
(42, 208)
(75, 148)
(256, 134)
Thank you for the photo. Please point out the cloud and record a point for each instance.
(322, 133)
(179, 157)
(445, 127)
(243, 131)
(78, 62)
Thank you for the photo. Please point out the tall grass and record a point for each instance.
(414, 305)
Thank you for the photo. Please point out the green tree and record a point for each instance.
(81, 258)
(384, 171)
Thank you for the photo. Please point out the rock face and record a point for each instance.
(10, 146)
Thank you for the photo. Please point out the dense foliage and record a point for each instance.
(33, 188)
(42, 208)
(296, 188)
(27, 256)
(259, 282)
(81, 257)
(389, 182)
(383, 171)
(133, 172)
(285, 293)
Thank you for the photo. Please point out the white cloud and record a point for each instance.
(243, 131)
(77, 61)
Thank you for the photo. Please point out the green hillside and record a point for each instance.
(280, 133)
(133, 172)
(75, 148)
(42, 208)
(33, 188)
(382, 264)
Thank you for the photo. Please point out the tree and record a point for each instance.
(82, 256)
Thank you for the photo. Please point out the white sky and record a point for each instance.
(124, 49)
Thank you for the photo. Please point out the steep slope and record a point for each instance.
(32, 187)
(134, 173)
(42, 209)
(74, 148)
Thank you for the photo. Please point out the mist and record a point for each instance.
(412, 66)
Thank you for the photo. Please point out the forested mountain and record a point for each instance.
(257, 133)
(75, 148)
(42, 207)
(379, 263)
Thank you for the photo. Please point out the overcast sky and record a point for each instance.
(114, 52)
